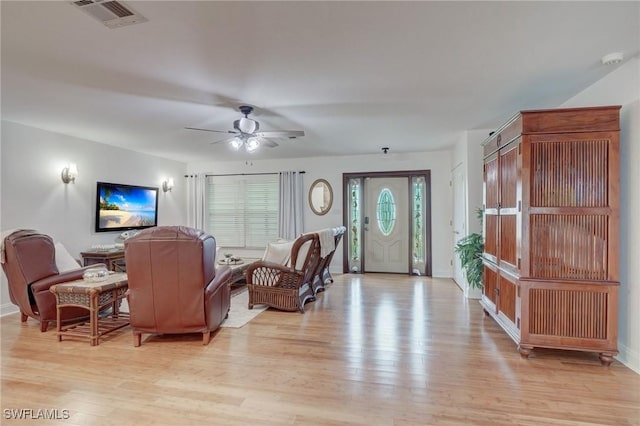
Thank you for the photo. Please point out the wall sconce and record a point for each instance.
(167, 185)
(69, 173)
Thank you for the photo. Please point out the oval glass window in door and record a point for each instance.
(386, 211)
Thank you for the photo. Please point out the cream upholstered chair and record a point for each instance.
(278, 252)
(286, 287)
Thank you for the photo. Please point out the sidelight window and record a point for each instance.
(355, 224)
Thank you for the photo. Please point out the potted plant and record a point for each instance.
(470, 249)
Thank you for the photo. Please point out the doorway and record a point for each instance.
(388, 218)
(386, 224)
(459, 219)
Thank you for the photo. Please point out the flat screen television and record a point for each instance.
(122, 207)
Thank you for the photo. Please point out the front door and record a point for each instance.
(386, 224)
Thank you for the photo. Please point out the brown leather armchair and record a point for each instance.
(30, 268)
(174, 287)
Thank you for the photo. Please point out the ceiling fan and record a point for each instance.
(246, 134)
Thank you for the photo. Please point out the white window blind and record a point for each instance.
(243, 210)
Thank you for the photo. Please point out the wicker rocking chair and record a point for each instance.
(283, 287)
(323, 275)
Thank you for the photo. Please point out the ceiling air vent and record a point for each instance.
(113, 14)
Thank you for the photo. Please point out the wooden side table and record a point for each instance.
(113, 258)
(92, 296)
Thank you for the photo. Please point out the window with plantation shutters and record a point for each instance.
(243, 210)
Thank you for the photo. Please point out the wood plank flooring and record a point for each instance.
(373, 349)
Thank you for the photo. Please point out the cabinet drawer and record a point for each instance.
(508, 292)
(573, 314)
(490, 282)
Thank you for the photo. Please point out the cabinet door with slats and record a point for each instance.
(509, 195)
(490, 286)
(570, 216)
(491, 196)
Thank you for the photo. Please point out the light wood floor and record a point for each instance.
(372, 350)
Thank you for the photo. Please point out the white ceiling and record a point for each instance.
(355, 76)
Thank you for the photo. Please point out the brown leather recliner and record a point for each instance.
(30, 267)
(174, 287)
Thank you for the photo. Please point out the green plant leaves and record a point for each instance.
(470, 249)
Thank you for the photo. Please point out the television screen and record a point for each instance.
(121, 207)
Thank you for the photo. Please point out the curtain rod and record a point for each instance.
(243, 174)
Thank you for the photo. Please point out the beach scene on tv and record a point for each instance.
(122, 206)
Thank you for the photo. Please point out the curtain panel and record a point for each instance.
(197, 201)
(291, 209)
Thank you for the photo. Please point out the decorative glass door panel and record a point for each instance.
(386, 225)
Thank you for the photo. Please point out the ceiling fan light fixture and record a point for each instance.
(252, 144)
(247, 125)
(247, 137)
(236, 143)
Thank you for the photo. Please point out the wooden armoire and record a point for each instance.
(551, 213)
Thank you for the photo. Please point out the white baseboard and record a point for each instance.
(473, 293)
(460, 285)
(8, 308)
(629, 357)
(442, 273)
(469, 293)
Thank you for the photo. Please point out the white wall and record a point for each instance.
(332, 168)
(468, 154)
(33, 196)
(622, 87)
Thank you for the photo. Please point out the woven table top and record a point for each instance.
(115, 280)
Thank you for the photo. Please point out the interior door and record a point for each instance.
(386, 224)
(459, 220)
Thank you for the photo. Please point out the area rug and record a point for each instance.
(240, 314)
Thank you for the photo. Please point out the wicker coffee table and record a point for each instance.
(92, 296)
(238, 270)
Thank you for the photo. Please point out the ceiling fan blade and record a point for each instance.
(223, 141)
(280, 134)
(209, 130)
(268, 143)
